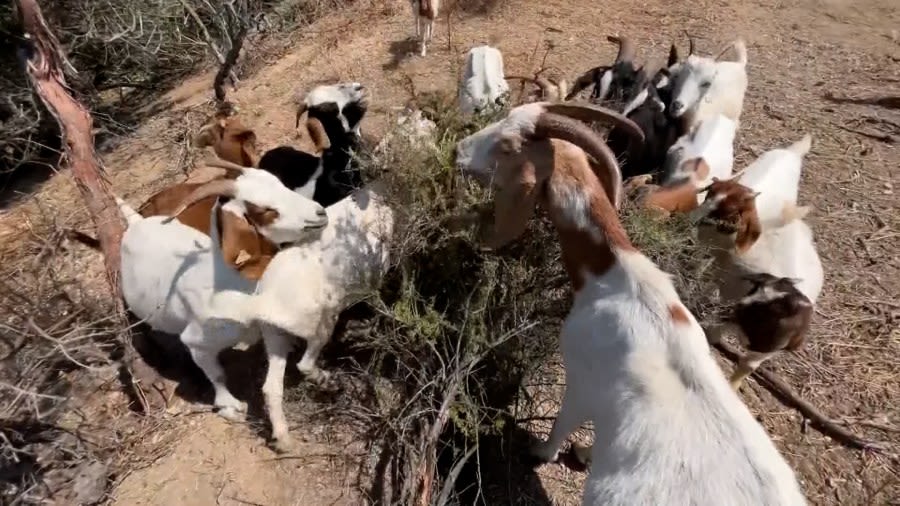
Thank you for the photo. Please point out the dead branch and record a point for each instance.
(819, 420)
(237, 41)
(878, 136)
(44, 63)
(889, 102)
(208, 38)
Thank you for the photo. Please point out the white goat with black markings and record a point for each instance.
(170, 270)
(756, 227)
(668, 428)
(704, 86)
(483, 82)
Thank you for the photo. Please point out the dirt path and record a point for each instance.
(798, 52)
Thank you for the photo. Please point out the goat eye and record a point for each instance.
(705, 84)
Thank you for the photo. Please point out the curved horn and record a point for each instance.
(690, 45)
(558, 126)
(216, 187)
(588, 112)
(232, 170)
(626, 48)
(300, 110)
(318, 134)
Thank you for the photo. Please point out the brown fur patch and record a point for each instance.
(681, 198)
(777, 324)
(737, 208)
(231, 141)
(581, 250)
(260, 216)
(678, 314)
(244, 249)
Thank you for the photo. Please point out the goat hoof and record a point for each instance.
(236, 413)
(283, 444)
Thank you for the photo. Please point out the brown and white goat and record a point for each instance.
(637, 362)
(772, 317)
(427, 9)
(230, 139)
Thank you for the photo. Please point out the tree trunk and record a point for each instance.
(43, 62)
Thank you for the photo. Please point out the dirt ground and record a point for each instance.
(799, 52)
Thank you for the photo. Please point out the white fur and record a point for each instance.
(170, 271)
(704, 87)
(341, 94)
(483, 82)
(784, 249)
(713, 141)
(669, 429)
(305, 287)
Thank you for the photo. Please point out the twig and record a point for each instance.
(889, 102)
(237, 41)
(209, 40)
(888, 138)
(820, 421)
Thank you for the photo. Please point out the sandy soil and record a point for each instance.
(799, 51)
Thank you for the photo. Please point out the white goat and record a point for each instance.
(170, 270)
(483, 82)
(669, 430)
(705, 86)
(427, 9)
(712, 140)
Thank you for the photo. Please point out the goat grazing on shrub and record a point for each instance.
(668, 428)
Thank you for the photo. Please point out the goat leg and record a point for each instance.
(314, 344)
(207, 359)
(746, 366)
(277, 348)
(571, 415)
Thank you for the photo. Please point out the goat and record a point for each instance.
(618, 80)
(773, 316)
(230, 140)
(731, 219)
(552, 90)
(339, 106)
(669, 429)
(340, 109)
(706, 86)
(427, 9)
(473, 153)
(170, 271)
(482, 82)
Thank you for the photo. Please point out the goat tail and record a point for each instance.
(740, 48)
(131, 216)
(802, 147)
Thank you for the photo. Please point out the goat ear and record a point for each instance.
(235, 236)
(317, 134)
(248, 148)
(207, 135)
(701, 169)
(748, 233)
(514, 205)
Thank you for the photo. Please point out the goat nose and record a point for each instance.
(677, 106)
(321, 212)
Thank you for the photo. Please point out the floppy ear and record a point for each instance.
(748, 232)
(514, 205)
(241, 245)
(701, 169)
(248, 148)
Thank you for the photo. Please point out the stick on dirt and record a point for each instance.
(819, 420)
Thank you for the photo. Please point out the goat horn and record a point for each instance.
(232, 170)
(626, 48)
(559, 126)
(216, 187)
(300, 110)
(318, 134)
(737, 175)
(590, 113)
